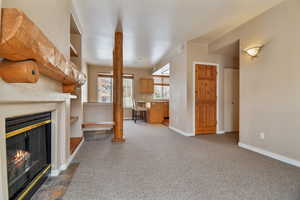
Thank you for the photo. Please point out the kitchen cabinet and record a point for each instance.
(146, 85)
(166, 109)
(157, 112)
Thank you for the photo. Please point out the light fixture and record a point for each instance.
(253, 51)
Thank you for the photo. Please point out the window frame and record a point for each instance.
(110, 75)
(161, 84)
(104, 75)
(132, 90)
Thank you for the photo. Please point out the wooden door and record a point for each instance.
(205, 99)
(231, 100)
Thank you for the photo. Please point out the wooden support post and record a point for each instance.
(118, 88)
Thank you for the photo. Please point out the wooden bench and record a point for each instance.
(97, 126)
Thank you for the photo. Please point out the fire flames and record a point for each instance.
(20, 157)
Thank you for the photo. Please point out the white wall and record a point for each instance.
(138, 73)
(181, 84)
(198, 52)
(53, 18)
(270, 84)
(106, 110)
(84, 88)
(178, 91)
(98, 112)
(55, 26)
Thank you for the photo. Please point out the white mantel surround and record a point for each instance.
(15, 103)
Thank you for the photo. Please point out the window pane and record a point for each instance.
(166, 80)
(166, 92)
(104, 89)
(157, 92)
(127, 93)
(166, 72)
(157, 80)
(161, 92)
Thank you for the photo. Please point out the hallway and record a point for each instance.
(157, 163)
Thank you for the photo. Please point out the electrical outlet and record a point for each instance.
(262, 135)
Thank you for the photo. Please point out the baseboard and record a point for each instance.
(270, 154)
(66, 165)
(74, 153)
(128, 118)
(221, 132)
(182, 132)
(54, 172)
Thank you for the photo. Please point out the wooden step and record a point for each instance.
(97, 126)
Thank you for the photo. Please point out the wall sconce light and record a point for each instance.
(253, 51)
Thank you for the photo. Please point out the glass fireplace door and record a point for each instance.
(18, 163)
(28, 153)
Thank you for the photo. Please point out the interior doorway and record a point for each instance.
(231, 100)
(216, 94)
(231, 89)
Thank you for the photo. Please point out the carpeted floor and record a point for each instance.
(158, 164)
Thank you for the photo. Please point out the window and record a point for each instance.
(165, 70)
(161, 87)
(127, 92)
(105, 89)
(161, 82)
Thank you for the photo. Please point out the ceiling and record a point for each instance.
(152, 28)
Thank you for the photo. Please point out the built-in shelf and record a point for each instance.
(73, 119)
(73, 51)
(74, 143)
(76, 104)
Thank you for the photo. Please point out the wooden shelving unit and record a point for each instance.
(76, 104)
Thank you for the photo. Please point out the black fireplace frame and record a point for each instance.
(20, 125)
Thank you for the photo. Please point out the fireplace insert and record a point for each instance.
(28, 148)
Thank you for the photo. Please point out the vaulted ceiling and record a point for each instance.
(152, 28)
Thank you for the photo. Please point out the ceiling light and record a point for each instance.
(253, 51)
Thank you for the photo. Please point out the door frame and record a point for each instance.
(218, 94)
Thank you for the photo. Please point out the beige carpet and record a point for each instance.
(156, 163)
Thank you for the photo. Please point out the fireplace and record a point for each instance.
(28, 148)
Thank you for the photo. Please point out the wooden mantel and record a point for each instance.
(118, 88)
(28, 52)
